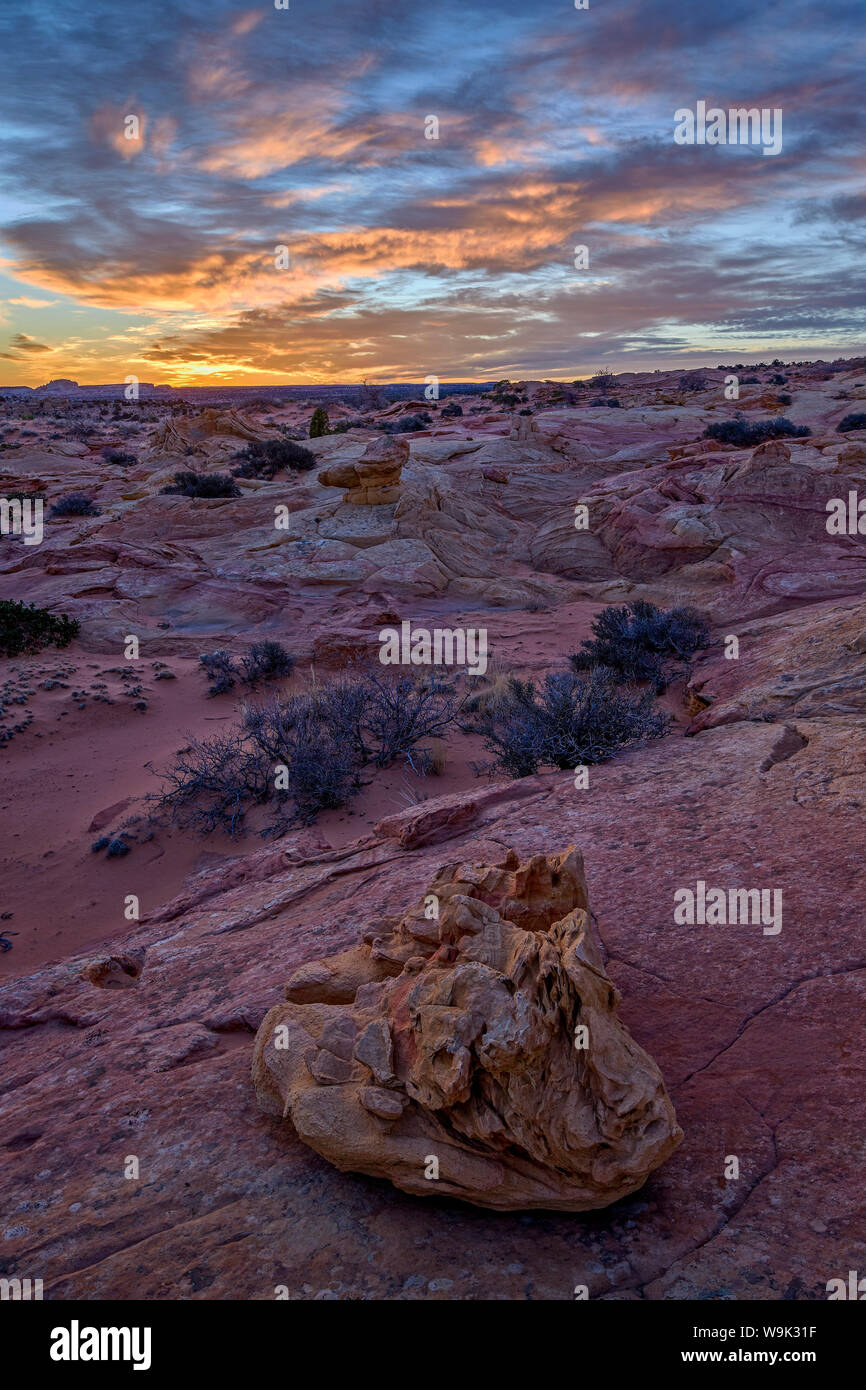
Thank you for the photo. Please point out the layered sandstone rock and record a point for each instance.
(373, 479)
(211, 431)
(480, 1031)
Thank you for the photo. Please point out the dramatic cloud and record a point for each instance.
(25, 344)
(384, 192)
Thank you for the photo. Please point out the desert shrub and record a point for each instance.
(319, 424)
(264, 458)
(490, 692)
(118, 456)
(691, 381)
(571, 720)
(750, 381)
(305, 752)
(452, 408)
(220, 671)
(602, 380)
(743, 433)
(372, 397)
(358, 422)
(406, 424)
(851, 422)
(784, 399)
(214, 782)
(24, 628)
(637, 641)
(116, 849)
(187, 484)
(778, 380)
(265, 661)
(400, 712)
(315, 758)
(74, 504)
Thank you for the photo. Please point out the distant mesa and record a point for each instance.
(65, 386)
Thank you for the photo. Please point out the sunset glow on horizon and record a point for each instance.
(150, 246)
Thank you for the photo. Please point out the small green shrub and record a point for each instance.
(24, 628)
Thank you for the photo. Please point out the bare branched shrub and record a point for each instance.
(570, 721)
(214, 782)
(304, 753)
(188, 484)
(402, 711)
(264, 661)
(220, 671)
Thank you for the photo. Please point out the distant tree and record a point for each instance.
(319, 424)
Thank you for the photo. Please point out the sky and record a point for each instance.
(151, 246)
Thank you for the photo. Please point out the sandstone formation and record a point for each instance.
(212, 432)
(375, 478)
(479, 1030)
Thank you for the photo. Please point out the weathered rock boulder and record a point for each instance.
(480, 1031)
(374, 478)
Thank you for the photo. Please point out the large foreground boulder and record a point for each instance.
(472, 1048)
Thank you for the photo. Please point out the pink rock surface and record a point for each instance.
(133, 1040)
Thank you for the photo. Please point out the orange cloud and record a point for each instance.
(247, 22)
(123, 128)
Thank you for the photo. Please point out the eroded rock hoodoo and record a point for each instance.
(374, 478)
(479, 1030)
